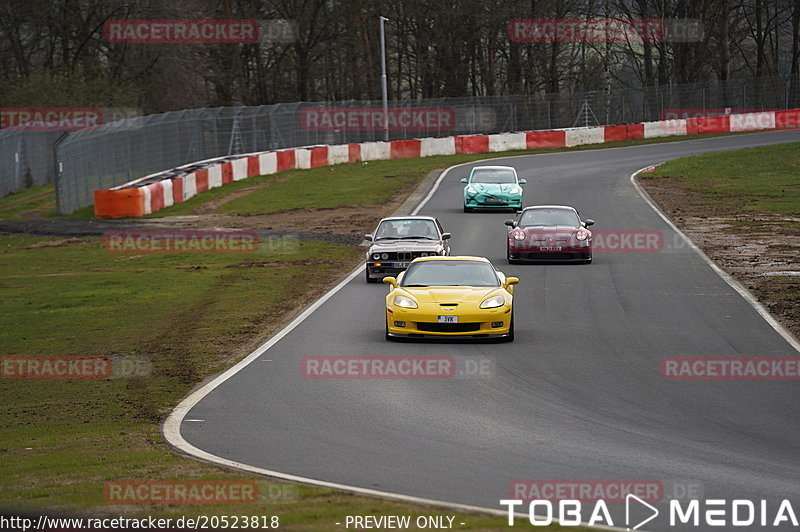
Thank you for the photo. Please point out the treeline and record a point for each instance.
(53, 52)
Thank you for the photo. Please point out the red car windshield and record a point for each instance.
(549, 217)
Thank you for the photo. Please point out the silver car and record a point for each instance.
(399, 240)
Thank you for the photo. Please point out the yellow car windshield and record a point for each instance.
(450, 273)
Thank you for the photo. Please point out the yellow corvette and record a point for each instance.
(450, 297)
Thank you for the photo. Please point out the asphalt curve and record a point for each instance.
(577, 396)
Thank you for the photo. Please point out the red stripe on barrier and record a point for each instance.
(708, 124)
(790, 118)
(319, 156)
(354, 152)
(615, 133)
(286, 160)
(227, 173)
(156, 196)
(119, 203)
(201, 180)
(634, 131)
(253, 166)
(405, 149)
(545, 139)
(472, 144)
(177, 190)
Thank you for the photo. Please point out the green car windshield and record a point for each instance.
(493, 175)
(450, 273)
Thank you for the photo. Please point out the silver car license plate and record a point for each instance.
(400, 265)
(448, 319)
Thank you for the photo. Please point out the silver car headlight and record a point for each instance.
(494, 302)
(471, 190)
(376, 256)
(384, 256)
(405, 302)
(515, 190)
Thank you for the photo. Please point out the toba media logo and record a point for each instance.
(586, 502)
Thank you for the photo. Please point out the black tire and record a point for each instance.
(467, 209)
(588, 260)
(510, 337)
(388, 338)
(369, 279)
(509, 259)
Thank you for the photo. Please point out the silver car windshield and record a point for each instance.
(549, 217)
(493, 175)
(407, 229)
(450, 273)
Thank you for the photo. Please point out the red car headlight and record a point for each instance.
(519, 235)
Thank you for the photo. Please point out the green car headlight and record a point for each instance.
(404, 302)
(494, 302)
(471, 190)
(515, 190)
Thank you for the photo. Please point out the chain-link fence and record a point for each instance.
(130, 148)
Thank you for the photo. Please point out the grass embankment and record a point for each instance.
(754, 195)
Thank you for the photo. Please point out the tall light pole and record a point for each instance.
(384, 91)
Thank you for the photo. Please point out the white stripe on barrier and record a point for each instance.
(375, 151)
(189, 186)
(147, 207)
(665, 128)
(585, 135)
(507, 142)
(302, 158)
(440, 146)
(215, 176)
(338, 154)
(239, 169)
(166, 187)
(753, 121)
(268, 163)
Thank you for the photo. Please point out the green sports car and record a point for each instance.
(493, 187)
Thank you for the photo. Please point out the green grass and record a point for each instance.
(36, 200)
(751, 180)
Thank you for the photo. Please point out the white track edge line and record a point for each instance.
(728, 278)
(172, 425)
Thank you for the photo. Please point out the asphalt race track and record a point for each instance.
(577, 396)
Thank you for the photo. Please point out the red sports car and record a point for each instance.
(549, 233)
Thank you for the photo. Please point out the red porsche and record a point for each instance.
(549, 233)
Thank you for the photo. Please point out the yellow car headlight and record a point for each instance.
(404, 302)
(494, 302)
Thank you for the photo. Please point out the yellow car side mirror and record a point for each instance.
(390, 280)
(511, 280)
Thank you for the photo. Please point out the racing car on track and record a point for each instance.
(399, 240)
(450, 297)
(549, 232)
(493, 187)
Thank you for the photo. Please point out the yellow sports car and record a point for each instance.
(450, 297)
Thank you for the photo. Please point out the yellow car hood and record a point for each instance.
(456, 294)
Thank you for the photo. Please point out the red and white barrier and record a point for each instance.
(585, 135)
(440, 146)
(135, 199)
